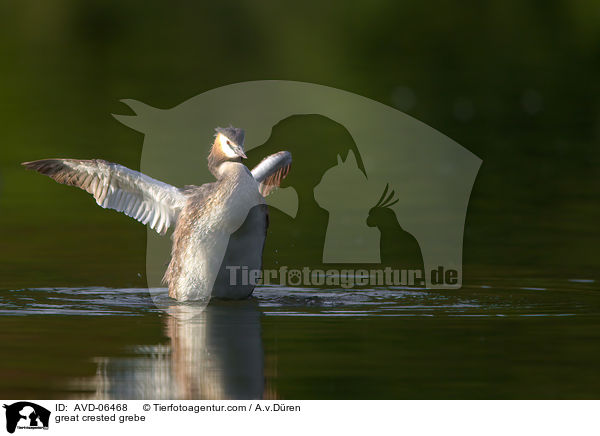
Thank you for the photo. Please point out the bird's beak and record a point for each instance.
(240, 152)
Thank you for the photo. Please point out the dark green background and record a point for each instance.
(66, 65)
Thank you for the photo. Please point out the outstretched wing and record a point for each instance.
(271, 170)
(114, 186)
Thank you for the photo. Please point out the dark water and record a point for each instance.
(498, 339)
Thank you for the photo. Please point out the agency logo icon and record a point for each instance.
(25, 415)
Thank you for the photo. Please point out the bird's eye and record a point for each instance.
(229, 143)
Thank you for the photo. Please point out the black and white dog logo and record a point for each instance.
(26, 415)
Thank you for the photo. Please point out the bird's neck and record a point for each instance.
(217, 159)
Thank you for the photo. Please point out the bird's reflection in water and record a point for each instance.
(213, 354)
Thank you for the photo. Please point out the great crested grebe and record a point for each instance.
(218, 225)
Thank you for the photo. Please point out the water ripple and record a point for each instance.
(493, 299)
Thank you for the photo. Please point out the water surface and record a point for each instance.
(498, 339)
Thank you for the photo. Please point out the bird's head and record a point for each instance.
(229, 142)
(228, 147)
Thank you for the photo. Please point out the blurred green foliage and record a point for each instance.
(515, 82)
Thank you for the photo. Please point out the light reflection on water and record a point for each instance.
(220, 352)
(215, 355)
(274, 300)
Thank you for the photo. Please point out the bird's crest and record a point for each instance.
(232, 133)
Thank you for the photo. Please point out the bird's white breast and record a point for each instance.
(239, 195)
(224, 213)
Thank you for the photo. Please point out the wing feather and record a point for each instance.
(271, 170)
(116, 187)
